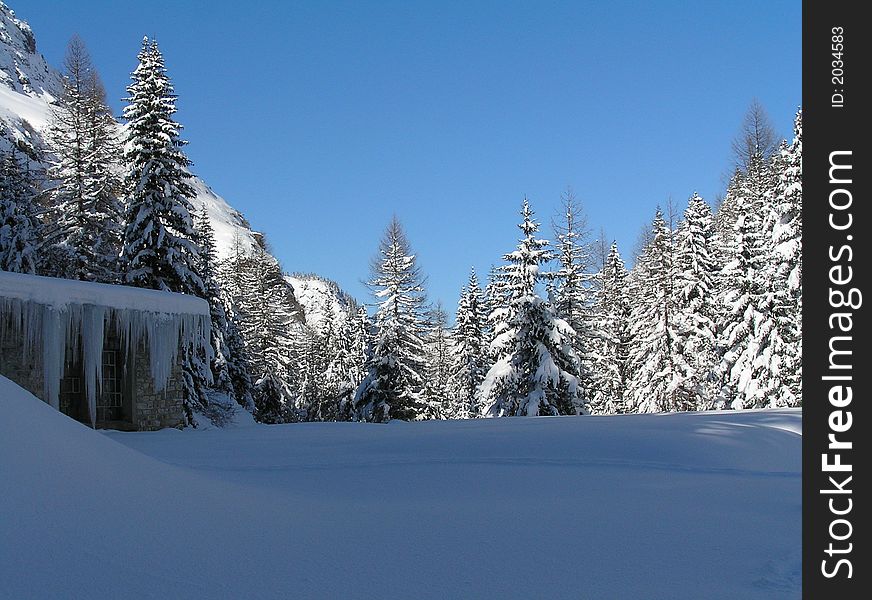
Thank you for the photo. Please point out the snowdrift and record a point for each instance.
(642, 506)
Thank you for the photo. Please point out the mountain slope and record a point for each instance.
(315, 294)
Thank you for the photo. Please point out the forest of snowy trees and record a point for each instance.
(708, 317)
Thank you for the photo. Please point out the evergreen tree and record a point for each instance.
(84, 236)
(20, 228)
(231, 275)
(787, 258)
(536, 371)
(238, 364)
(495, 308)
(330, 364)
(724, 222)
(653, 361)
(159, 247)
(469, 356)
(350, 364)
(229, 364)
(609, 374)
(753, 360)
(340, 374)
(268, 328)
(437, 345)
(313, 396)
(392, 388)
(695, 306)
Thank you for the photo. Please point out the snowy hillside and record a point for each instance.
(647, 506)
(318, 296)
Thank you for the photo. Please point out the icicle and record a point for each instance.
(92, 330)
(54, 343)
(57, 316)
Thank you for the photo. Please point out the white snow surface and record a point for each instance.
(673, 506)
(16, 106)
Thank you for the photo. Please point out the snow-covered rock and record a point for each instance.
(22, 68)
(28, 85)
(318, 295)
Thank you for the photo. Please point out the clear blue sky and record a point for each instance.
(318, 120)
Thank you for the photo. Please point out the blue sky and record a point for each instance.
(319, 120)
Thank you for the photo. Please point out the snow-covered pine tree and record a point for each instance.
(695, 307)
(206, 269)
(653, 364)
(330, 364)
(354, 339)
(238, 366)
(724, 222)
(392, 388)
(536, 371)
(496, 306)
(268, 328)
(20, 228)
(313, 396)
(437, 347)
(342, 369)
(609, 372)
(159, 245)
(228, 365)
(573, 286)
(159, 242)
(83, 237)
(231, 271)
(469, 354)
(753, 350)
(787, 258)
(231, 274)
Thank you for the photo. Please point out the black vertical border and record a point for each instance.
(827, 128)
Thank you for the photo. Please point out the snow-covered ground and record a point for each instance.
(643, 506)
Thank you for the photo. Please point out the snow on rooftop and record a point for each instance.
(48, 313)
(61, 293)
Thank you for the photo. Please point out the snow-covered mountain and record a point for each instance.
(29, 73)
(28, 85)
(29, 88)
(316, 294)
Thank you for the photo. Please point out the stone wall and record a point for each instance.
(25, 371)
(152, 409)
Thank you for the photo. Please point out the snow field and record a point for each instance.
(646, 506)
